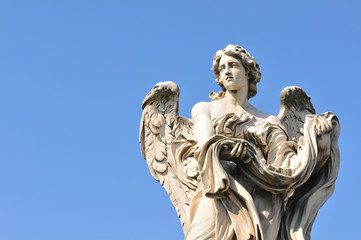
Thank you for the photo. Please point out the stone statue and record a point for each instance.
(234, 172)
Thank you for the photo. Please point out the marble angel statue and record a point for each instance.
(234, 172)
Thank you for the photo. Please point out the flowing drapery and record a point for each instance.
(274, 195)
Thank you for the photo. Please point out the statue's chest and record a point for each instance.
(237, 126)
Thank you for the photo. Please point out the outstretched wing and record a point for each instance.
(167, 145)
(295, 104)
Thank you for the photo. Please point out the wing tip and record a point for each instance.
(160, 89)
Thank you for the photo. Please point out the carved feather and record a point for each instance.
(312, 194)
(160, 126)
(295, 104)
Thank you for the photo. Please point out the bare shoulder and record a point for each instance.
(266, 116)
(201, 108)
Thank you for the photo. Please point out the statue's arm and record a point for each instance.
(203, 128)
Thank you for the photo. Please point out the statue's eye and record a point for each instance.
(221, 69)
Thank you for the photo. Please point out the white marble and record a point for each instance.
(234, 172)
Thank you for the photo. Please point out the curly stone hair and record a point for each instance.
(249, 63)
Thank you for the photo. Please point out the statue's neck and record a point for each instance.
(237, 98)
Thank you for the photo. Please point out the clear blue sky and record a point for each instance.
(73, 75)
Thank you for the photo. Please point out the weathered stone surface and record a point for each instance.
(234, 172)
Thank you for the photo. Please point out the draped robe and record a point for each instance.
(273, 194)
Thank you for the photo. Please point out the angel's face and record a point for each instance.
(232, 73)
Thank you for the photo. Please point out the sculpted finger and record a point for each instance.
(320, 125)
(244, 154)
(329, 124)
(239, 150)
(234, 150)
(323, 125)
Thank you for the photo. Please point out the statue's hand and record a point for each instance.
(323, 125)
(236, 152)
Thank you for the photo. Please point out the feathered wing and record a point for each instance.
(167, 145)
(306, 200)
(295, 104)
